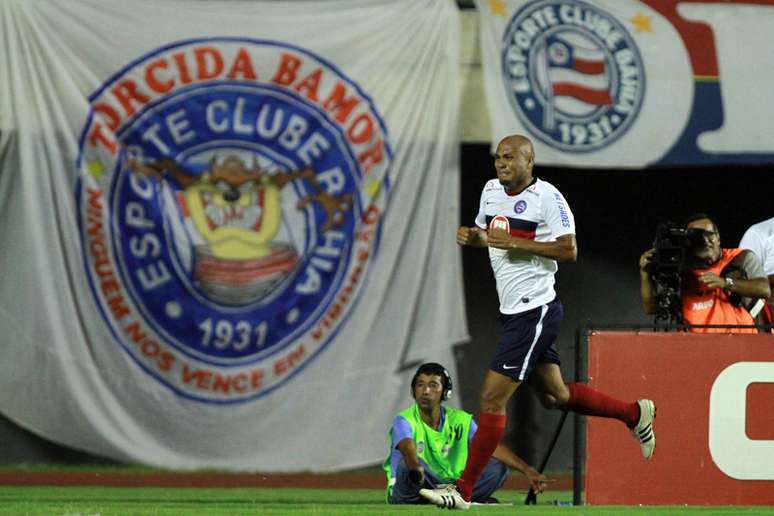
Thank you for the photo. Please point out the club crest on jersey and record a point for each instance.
(520, 206)
(500, 222)
(572, 73)
(230, 201)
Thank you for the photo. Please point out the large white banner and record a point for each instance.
(627, 83)
(227, 227)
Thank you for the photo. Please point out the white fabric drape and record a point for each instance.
(147, 315)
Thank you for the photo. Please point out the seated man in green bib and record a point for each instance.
(429, 445)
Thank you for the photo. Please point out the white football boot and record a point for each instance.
(445, 497)
(643, 430)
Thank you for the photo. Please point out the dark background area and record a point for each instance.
(616, 214)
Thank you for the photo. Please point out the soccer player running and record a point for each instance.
(527, 226)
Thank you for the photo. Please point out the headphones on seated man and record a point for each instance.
(434, 369)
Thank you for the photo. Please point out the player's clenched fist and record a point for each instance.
(468, 236)
(463, 235)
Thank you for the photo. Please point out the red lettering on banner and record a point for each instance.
(203, 380)
(339, 106)
(371, 216)
(206, 63)
(334, 311)
(94, 212)
(239, 382)
(187, 374)
(159, 78)
(371, 157)
(109, 286)
(153, 81)
(165, 362)
(113, 117)
(117, 307)
(308, 85)
(242, 66)
(287, 70)
(286, 363)
(102, 264)
(98, 250)
(209, 63)
(223, 383)
(98, 133)
(97, 136)
(361, 129)
(215, 381)
(182, 68)
(127, 94)
(133, 331)
(149, 347)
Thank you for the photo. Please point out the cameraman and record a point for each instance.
(717, 284)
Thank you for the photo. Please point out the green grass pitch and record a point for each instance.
(105, 501)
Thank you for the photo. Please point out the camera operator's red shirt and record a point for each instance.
(701, 306)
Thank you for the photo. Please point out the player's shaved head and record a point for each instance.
(520, 143)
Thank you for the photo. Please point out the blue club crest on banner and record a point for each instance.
(227, 221)
(572, 73)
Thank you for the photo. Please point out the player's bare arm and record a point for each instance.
(753, 287)
(563, 249)
(536, 480)
(472, 236)
(738, 281)
(409, 450)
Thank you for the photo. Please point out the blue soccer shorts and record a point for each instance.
(527, 338)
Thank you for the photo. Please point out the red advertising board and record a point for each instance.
(714, 426)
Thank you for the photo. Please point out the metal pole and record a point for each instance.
(579, 427)
(531, 498)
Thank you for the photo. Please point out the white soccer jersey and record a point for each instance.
(540, 213)
(760, 240)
